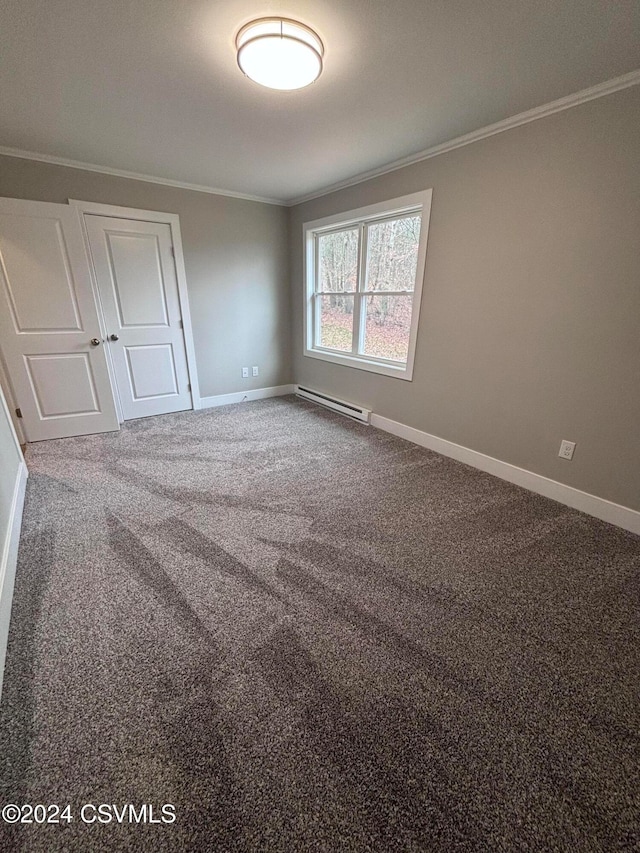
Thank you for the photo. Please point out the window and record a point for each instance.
(364, 272)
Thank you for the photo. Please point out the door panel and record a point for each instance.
(136, 274)
(138, 290)
(48, 317)
(62, 384)
(152, 371)
(42, 270)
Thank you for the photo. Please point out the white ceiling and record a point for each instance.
(152, 86)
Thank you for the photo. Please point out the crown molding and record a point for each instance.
(134, 176)
(566, 103)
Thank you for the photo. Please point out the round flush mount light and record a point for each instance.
(279, 53)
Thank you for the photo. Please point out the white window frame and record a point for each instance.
(419, 202)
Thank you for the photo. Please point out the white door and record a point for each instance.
(49, 331)
(136, 276)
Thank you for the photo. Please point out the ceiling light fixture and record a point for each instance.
(279, 53)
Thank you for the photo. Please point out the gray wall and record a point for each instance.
(530, 322)
(235, 257)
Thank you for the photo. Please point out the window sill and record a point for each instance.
(402, 371)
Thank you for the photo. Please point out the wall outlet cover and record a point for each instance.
(245, 372)
(566, 449)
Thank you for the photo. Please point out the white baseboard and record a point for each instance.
(621, 516)
(244, 396)
(9, 560)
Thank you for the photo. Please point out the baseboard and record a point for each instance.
(245, 396)
(8, 562)
(621, 516)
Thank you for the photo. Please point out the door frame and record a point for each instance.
(173, 221)
(10, 399)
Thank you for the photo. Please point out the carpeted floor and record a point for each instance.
(308, 635)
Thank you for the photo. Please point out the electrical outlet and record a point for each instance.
(245, 372)
(566, 449)
(255, 371)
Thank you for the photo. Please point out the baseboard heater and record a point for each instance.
(349, 409)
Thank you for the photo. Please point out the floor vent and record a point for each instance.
(341, 406)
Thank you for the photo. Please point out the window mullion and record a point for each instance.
(390, 292)
(359, 308)
(316, 287)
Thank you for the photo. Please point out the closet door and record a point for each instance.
(137, 283)
(50, 336)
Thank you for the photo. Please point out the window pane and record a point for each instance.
(336, 322)
(338, 261)
(392, 253)
(387, 326)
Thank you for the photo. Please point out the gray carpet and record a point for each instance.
(306, 634)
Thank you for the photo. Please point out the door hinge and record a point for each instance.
(173, 253)
(180, 324)
(19, 413)
(188, 386)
